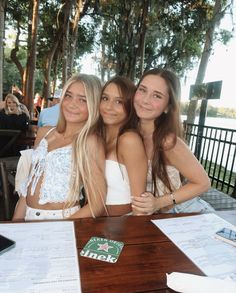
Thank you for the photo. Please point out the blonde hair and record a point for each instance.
(82, 158)
(15, 100)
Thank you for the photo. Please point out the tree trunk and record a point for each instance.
(65, 40)
(47, 72)
(32, 57)
(14, 57)
(74, 36)
(216, 18)
(2, 21)
(143, 34)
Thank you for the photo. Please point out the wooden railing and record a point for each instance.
(215, 148)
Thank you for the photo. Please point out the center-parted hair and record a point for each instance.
(81, 175)
(165, 125)
(126, 90)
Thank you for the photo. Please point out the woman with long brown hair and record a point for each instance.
(126, 162)
(156, 103)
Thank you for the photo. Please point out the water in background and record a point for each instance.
(216, 122)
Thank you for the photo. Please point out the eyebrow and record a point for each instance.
(116, 97)
(78, 95)
(155, 91)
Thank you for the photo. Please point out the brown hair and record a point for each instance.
(165, 125)
(127, 90)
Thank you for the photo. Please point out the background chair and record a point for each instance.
(8, 138)
(8, 196)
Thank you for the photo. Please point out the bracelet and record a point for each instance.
(173, 198)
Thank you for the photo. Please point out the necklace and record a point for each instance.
(68, 136)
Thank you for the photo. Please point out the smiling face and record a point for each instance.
(12, 105)
(111, 106)
(151, 98)
(74, 104)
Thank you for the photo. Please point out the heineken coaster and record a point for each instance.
(102, 249)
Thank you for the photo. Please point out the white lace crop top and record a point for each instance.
(174, 178)
(118, 188)
(55, 166)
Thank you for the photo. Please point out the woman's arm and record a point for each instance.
(186, 163)
(20, 209)
(41, 132)
(131, 153)
(97, 192)
(19, 213)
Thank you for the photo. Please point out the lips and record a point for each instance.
(108, 115)
(144, 108)
(71, 113)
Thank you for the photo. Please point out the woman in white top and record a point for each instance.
(156, 105)
(67, 158)
(126, 162)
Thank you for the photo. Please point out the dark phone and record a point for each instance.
(6, 244)
(227, 235)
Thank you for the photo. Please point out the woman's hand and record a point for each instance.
(145, 204)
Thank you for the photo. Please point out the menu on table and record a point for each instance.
(43, 260)
(195, 236)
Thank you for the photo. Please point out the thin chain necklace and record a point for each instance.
(69, 136)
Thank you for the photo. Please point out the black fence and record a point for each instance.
(215, 148)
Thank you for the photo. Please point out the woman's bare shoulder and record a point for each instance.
(41, 132)
(94, 141)
(129, 139)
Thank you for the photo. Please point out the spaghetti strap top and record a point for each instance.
(55, 167)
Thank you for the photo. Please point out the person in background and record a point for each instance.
(67, 158)
(22, 106)
(12, 115)
(157, 117)
(49, 116)
(126, 161)
(37, 104)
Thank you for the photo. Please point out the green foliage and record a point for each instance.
(174, 34)
(10, 71)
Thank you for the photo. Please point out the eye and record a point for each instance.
(142, 90)
(68, 96)
(82, 100)
(156, 96)
(104, 98)
(119, 101)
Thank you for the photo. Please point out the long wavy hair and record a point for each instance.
(81, 154)
(126, 90)
(166, 124)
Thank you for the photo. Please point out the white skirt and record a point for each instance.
(38, 214)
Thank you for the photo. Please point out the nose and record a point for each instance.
(146, 98)
(109, 105)
(74, 102)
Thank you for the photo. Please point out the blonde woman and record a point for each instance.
(66, 159)
(12, 115)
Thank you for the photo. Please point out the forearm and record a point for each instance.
(20, 210)
(85, 212)
(184, 193)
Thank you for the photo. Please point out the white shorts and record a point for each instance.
(38, 214)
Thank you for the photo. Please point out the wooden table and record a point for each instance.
(144, 261)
